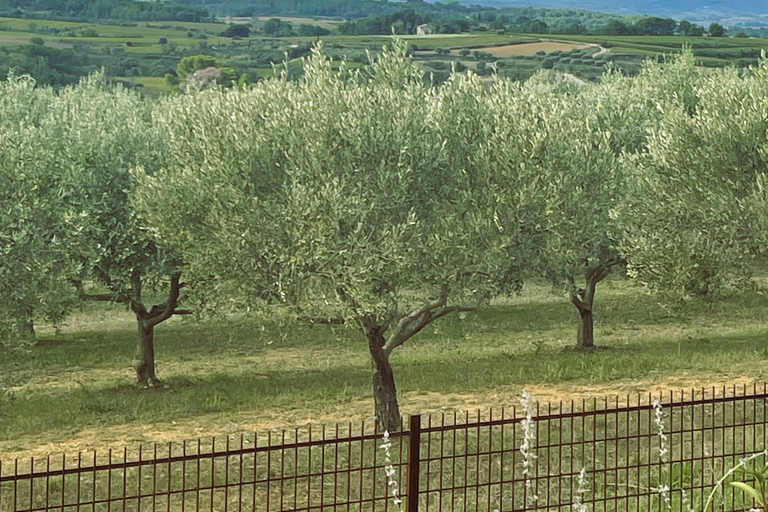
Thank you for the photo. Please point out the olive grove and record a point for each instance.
(364, 205)
(367, 198)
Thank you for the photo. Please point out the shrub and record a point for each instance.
(437, 64)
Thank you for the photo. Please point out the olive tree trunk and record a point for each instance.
(144, 364)
(147, 320)
(385, 336)
(585, 337)
(384, 389)
(584, 300)
(25, 323)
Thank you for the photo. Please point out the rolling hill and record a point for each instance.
(743, 12)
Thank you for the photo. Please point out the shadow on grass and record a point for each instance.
(181, 397)
(315, 390)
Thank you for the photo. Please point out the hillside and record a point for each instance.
(746, 12)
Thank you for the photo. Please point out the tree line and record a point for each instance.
(84, 10)
(367, 197)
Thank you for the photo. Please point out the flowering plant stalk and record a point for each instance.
(390, 470)
(578, 505)
(658, 421)
(529, 440)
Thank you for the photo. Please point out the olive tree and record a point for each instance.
(691, 227)
(36, 217)
(582, 227)
(548, 142)
(102, 132)
(576, 138)
(342, 195)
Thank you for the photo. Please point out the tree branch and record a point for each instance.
(576, 293)
(425, 308)
(410, 324)
(163, 312)
(454, 309)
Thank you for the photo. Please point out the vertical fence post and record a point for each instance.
(414, 463)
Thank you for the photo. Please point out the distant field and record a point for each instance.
(328, 23)
(503, 51)
(516, 53)
(146, 36)
(708, 50)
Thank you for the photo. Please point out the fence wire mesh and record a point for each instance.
(634, 454)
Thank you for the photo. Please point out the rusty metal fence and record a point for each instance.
(638, 454)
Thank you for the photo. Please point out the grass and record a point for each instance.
(75, 389)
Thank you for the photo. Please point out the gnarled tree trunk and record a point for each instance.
(382, 344)
(584, 299)
(384, 390)
(147, 320)
(144, 364)
(585, 337)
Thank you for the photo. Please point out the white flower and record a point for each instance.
(658, 420)
(529, 439)
(581, 488)
(390, 470)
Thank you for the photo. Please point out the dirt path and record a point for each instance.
(247, 422)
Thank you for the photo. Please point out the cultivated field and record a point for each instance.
(328, 23)
(508, 50)
(144, 37)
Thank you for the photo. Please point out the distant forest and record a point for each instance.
(81, 10)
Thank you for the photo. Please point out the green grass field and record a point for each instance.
(14, 31)
(75, 389)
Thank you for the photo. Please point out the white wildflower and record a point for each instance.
(663, 491)
(390, 470)
(658, 420)
(529, 440)
(578, 504)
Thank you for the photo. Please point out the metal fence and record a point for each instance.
(599, 455)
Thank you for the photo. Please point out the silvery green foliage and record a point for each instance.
(66, 217)
(36, 217)
(220, 198)
(688, 218)
(563, 172)
(102, 132)
(351, 196)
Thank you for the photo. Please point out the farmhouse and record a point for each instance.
(425, 29)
